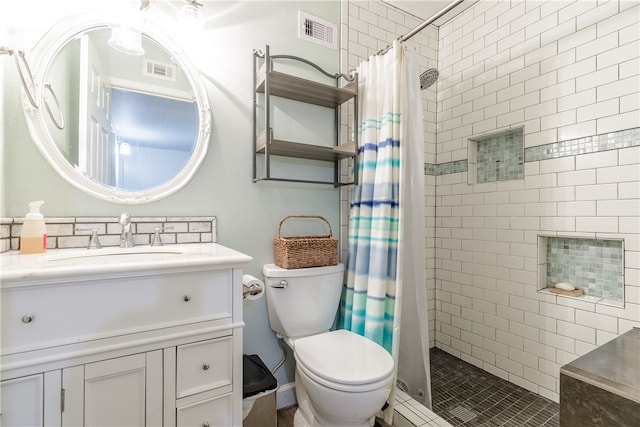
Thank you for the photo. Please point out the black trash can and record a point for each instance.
(259, 397)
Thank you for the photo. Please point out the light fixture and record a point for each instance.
(127, 36)
(126, 40)
(189, 14)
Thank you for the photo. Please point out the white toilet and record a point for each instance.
(342, 378)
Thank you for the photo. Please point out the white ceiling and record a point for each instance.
(425, 9)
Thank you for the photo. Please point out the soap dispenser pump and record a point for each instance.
(33, 238)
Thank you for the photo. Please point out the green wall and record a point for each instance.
(248, 213)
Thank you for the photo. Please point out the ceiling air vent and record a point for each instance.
(317, 30)
(160, 70)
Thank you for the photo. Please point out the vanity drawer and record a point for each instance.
(203, 365)
(212, 412)
(41, 316)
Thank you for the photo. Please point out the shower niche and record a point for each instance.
(496, 156)
(596, 266)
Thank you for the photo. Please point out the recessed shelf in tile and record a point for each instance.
(496, 157)
(594, 265)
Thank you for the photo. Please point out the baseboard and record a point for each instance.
(286, 395)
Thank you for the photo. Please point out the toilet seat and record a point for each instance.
(344, 360)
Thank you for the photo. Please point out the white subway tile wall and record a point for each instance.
(67, 233)
(568, 72)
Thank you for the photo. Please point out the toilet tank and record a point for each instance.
(307, 304)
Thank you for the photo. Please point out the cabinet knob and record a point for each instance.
(187, 298)
(205, 366)
(28, 318)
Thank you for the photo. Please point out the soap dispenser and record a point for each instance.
(33, 238)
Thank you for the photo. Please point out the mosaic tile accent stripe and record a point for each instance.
(74, 232)
(572, 147)
(431, 169)
(589, 144)
(500, 157)
(446, 168)
(594, 265)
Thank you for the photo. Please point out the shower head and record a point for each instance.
(428, 78)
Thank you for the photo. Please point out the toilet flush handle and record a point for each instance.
(282, 285)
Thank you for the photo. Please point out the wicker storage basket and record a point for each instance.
(305, 251)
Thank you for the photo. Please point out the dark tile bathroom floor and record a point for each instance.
(465, 395)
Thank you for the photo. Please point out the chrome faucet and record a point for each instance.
(126, 235)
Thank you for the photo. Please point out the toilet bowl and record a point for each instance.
(342, 378)
(346, 378)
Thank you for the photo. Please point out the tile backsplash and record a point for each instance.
(74, 232)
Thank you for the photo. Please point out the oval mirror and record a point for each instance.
(128, 127)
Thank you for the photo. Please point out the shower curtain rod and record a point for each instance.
(422, 26)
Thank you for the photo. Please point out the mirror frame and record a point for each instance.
(41, 57)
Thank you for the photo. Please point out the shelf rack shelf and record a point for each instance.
(283, 85)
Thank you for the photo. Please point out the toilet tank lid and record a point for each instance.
(344, 357)
(272, 270)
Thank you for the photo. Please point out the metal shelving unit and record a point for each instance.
(283, 85)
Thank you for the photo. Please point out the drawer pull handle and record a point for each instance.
(205, 366)
(205, 424)
(28, 318)
(187, 298)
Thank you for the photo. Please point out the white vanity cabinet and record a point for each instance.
(125, 391)
(200, 384)
(141, 341)
(22, 401)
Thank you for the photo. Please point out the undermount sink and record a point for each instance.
(95, 254)
(112, 260)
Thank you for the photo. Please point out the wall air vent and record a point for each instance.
(160, 70)
(317, 30)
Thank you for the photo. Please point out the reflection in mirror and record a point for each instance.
(142, 101)
(135, 127)
(155, 137)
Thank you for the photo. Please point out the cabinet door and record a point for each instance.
(114, 392)
(22, 401)
(126, 391)
(212, 412)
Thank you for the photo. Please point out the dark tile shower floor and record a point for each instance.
(465, 395)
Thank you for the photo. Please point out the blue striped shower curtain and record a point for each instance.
(371, 298)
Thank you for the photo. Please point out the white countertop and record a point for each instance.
(113, 260)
